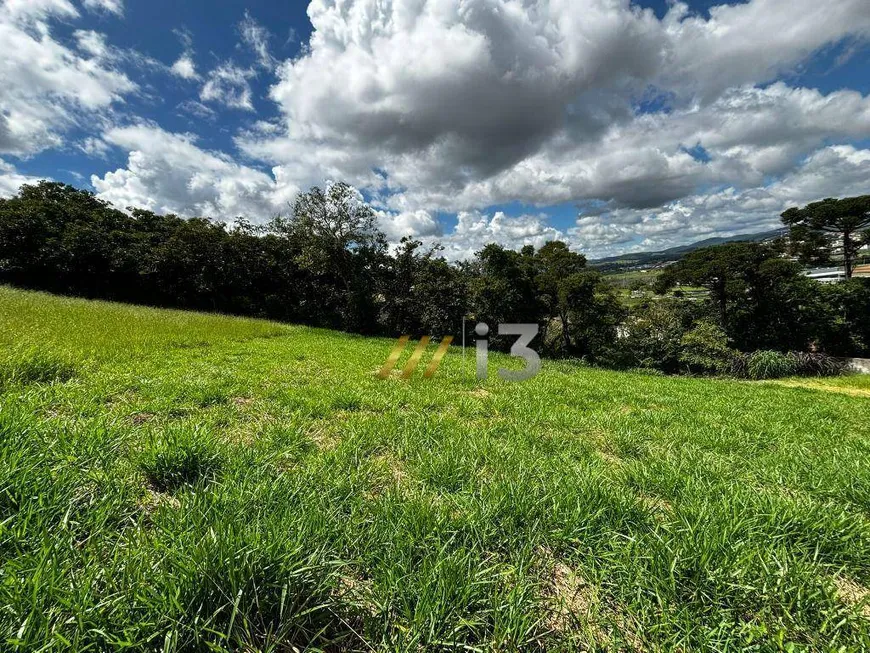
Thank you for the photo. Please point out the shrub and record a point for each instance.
(739, 365)
(770, 365)
(705, 349)
(817, 364)
(650, 338)
(776, 365)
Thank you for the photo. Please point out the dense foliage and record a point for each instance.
(822, 230)
(761, 301)
(327, 264)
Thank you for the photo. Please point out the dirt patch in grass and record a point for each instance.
(153, 500)
(571, 599)
(356, 591)
(138, 419)
(242, 402)
(395, 374)
(392, 473)
(655, 504)
(578, 610)
(394, 465)
(809, 385)
(853, 594)
(323, 436)
(610, 458)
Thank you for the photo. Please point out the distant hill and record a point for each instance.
(643, 259)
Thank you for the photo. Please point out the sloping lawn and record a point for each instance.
(184, 482)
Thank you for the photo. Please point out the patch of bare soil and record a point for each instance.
(322, 435)
(572, 600)
(154, 500)
(141, 418)
(393, 465)
(576, 607)
(610, 458)
(661, 507)
(853, 594)
(809, 385)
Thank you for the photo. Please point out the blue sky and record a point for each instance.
(590, 121)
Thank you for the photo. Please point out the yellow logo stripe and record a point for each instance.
(438, 357)
(394, 357)
(415, 357)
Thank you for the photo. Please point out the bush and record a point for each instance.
(776, 365)
(705, 349)
(817, 364)
(770, 365)
(650, 338)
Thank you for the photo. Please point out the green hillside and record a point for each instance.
(184, 482)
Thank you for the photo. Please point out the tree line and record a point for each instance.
(328, 265)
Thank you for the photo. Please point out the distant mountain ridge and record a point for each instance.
(635, 259)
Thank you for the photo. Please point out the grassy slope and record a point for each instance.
(206, 480)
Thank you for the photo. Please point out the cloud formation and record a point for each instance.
(169, 173)
(833, 171)
(659, 130)
(461, 105)
(228, 85)
(45, 87)
(11, 180)
(110, 6)
(256, 37)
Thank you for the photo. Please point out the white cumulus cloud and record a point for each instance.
(228, 85)
(455, 105)
(11, 180)
(169, 173)
(110, 6)
(184, 67)
(45, 87)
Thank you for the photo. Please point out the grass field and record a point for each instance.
(183, 482)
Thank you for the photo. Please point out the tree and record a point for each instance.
(651, 335)
(423, 293)
(593, 310)
(705, 349)
(761, 299)
(337, 240)
(502, 288)
(555, 264)
(832, 226)
(59, 238)
(844, 327)
(721, 269)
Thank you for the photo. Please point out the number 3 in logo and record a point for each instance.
(520, 349)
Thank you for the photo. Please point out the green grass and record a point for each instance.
(183, 482)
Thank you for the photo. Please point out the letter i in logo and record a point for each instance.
(482, 347)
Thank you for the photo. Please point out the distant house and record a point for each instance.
(827, 275)
(836, 275)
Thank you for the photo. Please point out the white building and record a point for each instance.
(826, 275)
